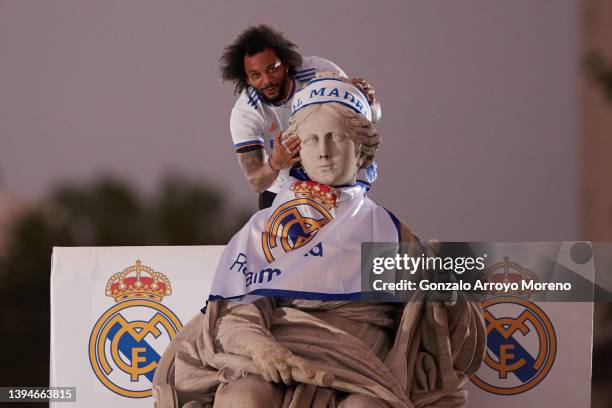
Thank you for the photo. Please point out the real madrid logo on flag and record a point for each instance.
(296, 222)
(127, 341)
(296, 249)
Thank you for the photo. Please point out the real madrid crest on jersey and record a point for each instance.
(521, 339)
(296, 222)
(127, 341)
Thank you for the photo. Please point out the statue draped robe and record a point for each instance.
(416, 354)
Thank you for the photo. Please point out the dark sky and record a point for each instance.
(480, 108)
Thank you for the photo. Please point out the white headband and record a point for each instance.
(327, 90)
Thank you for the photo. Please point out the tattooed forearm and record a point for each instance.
(256, 168)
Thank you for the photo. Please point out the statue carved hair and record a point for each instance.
(361, 130)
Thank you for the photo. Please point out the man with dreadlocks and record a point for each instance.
(267, 71)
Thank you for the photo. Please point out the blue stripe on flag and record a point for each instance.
(294, 294)
(397, 224)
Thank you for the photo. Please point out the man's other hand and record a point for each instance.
(365, 87)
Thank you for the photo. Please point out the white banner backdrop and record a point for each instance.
(109, 349)
(538, 354)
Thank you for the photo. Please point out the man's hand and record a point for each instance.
(261, 173)
(275, 362)
(365, 87)
(284, 154)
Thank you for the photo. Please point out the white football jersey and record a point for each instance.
(255, 123)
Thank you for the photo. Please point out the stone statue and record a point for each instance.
(322, 349)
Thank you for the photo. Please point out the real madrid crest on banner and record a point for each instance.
(296, 222)
(521, 339)
(128, 339)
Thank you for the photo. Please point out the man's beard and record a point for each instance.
(281, 93)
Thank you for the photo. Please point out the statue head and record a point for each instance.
(337, 140)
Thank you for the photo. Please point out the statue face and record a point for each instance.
(327, 152)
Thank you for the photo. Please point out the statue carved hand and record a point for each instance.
(275, 363)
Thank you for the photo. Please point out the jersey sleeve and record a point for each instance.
(312, 65)
(326, 65)
(246, 127)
